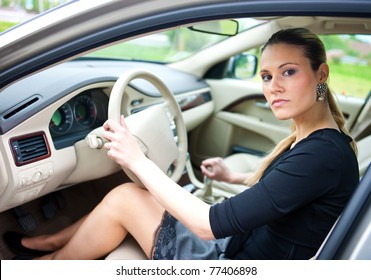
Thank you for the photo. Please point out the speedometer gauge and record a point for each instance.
(62, 119)
(85, 110)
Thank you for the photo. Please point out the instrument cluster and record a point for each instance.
(76, 118)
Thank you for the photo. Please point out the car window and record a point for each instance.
(171, 45)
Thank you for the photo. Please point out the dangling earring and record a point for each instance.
(321, 91)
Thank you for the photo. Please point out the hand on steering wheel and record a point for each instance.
(152, 128)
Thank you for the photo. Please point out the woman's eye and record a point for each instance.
(266, 78)
(289, 72)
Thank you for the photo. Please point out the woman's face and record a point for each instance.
(289, 83)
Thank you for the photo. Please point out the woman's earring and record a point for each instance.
(321, 91)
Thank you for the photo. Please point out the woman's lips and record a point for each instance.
(279, 103)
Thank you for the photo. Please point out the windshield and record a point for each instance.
(169, 46)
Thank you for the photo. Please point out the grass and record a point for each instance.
(350, 79)
(4, 25)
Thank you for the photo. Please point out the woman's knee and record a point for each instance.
(123, 195)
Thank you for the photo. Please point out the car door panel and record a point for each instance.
(257, 126)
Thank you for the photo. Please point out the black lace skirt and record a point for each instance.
(173, 241)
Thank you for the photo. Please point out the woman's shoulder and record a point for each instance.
(328, 144)
(329, 136)
(322, 151)
(324, 132)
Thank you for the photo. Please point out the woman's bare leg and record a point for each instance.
(126, 209)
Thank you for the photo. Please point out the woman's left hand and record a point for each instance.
(122, 146)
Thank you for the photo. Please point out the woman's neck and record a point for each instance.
(304, 127)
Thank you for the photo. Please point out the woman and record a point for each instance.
(294, 199)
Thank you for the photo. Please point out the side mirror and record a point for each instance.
(243, 66)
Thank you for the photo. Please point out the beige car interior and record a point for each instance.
(248, 121)
(237, 116)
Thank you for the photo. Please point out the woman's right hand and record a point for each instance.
(122, 146)
(215, 169)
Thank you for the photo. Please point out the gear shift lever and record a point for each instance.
(206, 193)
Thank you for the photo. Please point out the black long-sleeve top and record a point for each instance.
(296, 202)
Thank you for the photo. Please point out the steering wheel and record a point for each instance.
(159, 129)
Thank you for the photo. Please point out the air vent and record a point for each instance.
(29, 148)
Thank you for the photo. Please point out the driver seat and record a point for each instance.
(129, 249)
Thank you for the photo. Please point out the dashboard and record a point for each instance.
(45, 118)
